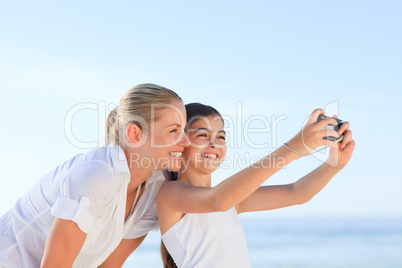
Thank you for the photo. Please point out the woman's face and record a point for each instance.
(165, 139)
(207, 147)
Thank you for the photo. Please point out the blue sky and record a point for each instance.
(275, 57)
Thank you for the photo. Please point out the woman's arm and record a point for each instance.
(65, 241)
(63, 244)
(122, 252)
(279, 196)
(273, 197)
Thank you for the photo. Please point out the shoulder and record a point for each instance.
(170, 188)
(104, 161)
(92, 169)
(93, 176)
(174, 190)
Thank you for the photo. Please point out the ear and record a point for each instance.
(134, 133)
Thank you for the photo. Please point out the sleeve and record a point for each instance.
(84, 192)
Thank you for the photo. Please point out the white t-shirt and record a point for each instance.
(208, 240)
(91, 190)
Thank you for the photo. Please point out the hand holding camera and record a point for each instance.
(312, 134)
(333, 127)
(321, 130)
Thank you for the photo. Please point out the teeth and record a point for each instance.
(210, 155)
(175, 154)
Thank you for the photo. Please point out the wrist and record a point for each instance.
(333, 164)
(297, 154)
(286, 154)
(296, 143)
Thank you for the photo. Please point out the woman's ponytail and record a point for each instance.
(111, 128)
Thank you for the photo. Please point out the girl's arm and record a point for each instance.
(273, 197)
(182, 197)
(63, 244)
(185, 198)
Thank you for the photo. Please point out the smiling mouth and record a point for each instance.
(176, 154)
(210, 156)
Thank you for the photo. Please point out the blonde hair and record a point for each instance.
(135, 108)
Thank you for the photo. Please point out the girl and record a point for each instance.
(97, 208)
(199, 223)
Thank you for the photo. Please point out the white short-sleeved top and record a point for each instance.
(207, 240)
(91, 190)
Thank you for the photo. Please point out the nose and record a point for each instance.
(184, 142)
(212, 145)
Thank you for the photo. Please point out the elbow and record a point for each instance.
(298, 196)
(222, 206)
(303, 200)
(221, 203)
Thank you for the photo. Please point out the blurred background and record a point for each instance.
(265, 65)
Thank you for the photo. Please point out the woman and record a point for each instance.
(97, 208)
(199, 223)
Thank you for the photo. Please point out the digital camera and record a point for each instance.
(334, 127)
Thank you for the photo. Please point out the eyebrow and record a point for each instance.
(174, 124)
(203, 128)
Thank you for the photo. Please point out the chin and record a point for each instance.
(207, 169)
(211, 170)
(175, 168)
(212, 166)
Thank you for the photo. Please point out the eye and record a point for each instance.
(174, 130)
(222, 137)
(202, 135)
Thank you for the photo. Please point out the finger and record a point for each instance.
(347, 137)
(331, 144)
(325, 122)
(350, 146)
(328, 133)
(335, 116)
(345, 126)
(314, 116)
(345, 140)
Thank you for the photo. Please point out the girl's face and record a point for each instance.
(207, 144)
(165, 141)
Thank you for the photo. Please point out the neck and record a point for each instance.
(138, 174)
(195, 178)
